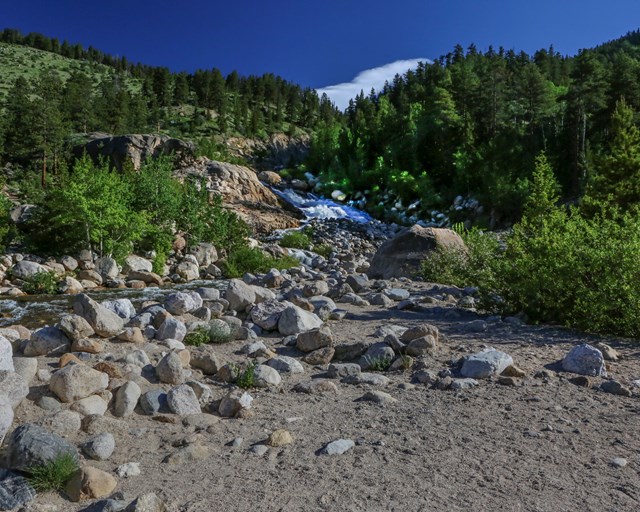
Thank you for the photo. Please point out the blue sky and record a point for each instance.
(318, 44)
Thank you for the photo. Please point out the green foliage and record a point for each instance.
(379, 364)
(53, 475)
(245, 379)
(480, 265)
(6, 226)
(41, 283)
(295, 240)
(219, 334)
(323, 250)
(243, 259)
(616, 177)
(199, 336)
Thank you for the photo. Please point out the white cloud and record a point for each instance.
(375, 78)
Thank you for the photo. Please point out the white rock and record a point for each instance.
(99, 447)
(295, 320)
(486, 363)
(90, 405)
(6, 416)
(128, 470)
(126, 399)
(265, 376)
(239, 295)
(338, 447)
(183, 401)
(121, 307)
(26, 367)
(6, 355)
(13, 387)
(585, 360)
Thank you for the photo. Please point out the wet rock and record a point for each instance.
(585, 360)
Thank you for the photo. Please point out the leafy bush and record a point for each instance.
(199, 336)
(53, 475)
(41, 283)
(245, 379)
(6, 226)
(253, 260)
(295, 240)
(218, 334)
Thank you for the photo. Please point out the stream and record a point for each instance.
(34, 311)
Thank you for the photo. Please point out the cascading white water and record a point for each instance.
(320, 208)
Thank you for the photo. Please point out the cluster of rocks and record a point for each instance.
(110, 361)
(87, 271)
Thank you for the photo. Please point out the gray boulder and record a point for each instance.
(486, 363)
(75, 327)
(239, 295)
(13, 387)
(205, 254)
(585, 360)
(121, 307)
(6, 355)
(183, 401)
(103, 321)
(295, 320)
(136, 264)
(172, 329)
(25, 269)
(126, 399)
(265, 376)
(15, 490)
(314, 339)
(49, 341)
(169, 369)
(107, 267)
(180, 303)
(76, 381)
(99, 447)
(267, 314)
(30, 445)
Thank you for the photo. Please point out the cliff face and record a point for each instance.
(277, 151)
(243, 192)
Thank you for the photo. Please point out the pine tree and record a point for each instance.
(545, 191)
(616, 180)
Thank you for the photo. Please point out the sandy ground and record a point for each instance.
(543, 445)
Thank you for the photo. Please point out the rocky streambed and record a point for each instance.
(316, 388)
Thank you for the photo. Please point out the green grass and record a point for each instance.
(17, 60)
(244, 260)
(379, 364)
(323, 250)
(295, 240)
(53, 475)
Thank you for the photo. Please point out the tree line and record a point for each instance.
(472, 124)
(40, 113)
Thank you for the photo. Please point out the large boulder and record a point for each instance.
(487, 363)
(25, 269)
(179, 303)
(205, 254)
(136, 264)
(14, 387)
(6, 355)
(47, 341)
(295, 320)
(267, 314)
(402, 255)
(76, 381)
(104, 322)
(585, 360)
(31, 445)
(107, 267)
(124, 308)
(239, 295)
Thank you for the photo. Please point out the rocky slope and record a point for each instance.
(320, 389)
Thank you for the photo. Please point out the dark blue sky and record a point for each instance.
(317, 43)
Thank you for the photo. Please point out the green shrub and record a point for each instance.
(253, 260)
(379, 364)
(295, 240)
(199, 336)
(53, 475)
(218, 334)
(323, 250)
(245, 379)
(41, 283)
